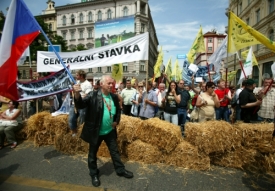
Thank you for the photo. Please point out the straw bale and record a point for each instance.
(127, 128)
(257, 136)
(162, 134)
(143, 152)
(269, 162)
(67, 144)
(43, 138)
(57, 124)
(212, 136)
(36, 123)
(240, 158)
(187, 156)
(103, 150)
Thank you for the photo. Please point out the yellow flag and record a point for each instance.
(117, 72)
(117, 69)
(157, 70)
(176, 72)
(168, 69)
(198, 46)
(254, 60)
(242, 35)
(230, 76)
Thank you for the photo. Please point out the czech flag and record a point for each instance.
(19, 31)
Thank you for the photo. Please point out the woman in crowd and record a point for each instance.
(170, 103)
(207, 101)
(10, 122)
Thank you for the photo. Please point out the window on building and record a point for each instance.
(90, 33)
(72, 19)
(258, 16)
(99, 69)
(99, 15)
(257, 47)
(271, 6)
(210, 40)
(64, 35)
(125, 67)
(271, 35)
(81, 34)
(247, 21)
(109, 14)
(210, 49)
(90, 16)
(238, 75)
(220, 40)
(255, 74)
(72, 35)
(64, 20)
(125, 11)
(80, 18)
(267, 68)
(50, 27)
(90, 70)
(109, 68)
(142, 28)
(142, 67)
(24, 74)
(240, 7)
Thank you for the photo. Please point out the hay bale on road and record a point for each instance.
(187, 156)
(144, 152)
(166, 136)
(127, 128)
(36, 123)
(240, 158)
(67, 144)
(57, 124)
(43, 138)
(257, 136)
(212, 136)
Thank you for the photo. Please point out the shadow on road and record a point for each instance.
(259, 181)
(106, 169)
(52, 154)
(5, 173)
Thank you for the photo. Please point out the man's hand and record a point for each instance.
(77, 88)
(258, 102)
(114, 125)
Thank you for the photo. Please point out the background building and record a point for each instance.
(76, 23)
(259, 14)
(212, 41)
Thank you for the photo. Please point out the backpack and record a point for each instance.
(234, 101)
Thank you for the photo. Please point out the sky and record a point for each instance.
(177, 22)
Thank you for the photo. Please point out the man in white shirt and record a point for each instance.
(74, 113)
(126, 95)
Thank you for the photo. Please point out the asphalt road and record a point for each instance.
(28, 168)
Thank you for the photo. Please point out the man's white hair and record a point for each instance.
(104, 78)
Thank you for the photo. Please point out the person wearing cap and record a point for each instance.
(267, 94)
(248, 102)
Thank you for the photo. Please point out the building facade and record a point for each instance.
(212, 41)
(76, 24)
(259, 14)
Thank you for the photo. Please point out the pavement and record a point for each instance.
(29, 168)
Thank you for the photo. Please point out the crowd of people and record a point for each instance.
(99, 106)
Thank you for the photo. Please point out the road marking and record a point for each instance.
(47, 184)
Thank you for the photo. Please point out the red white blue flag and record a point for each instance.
(19, 31)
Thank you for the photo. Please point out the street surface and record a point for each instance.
(29, 168)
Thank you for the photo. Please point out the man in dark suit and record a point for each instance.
(102, 116)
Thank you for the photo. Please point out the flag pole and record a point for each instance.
(240, 62)
(58, 56)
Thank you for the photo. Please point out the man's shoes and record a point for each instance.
(95, 181)
(13, 145)
(126, 174)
